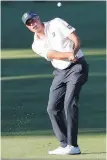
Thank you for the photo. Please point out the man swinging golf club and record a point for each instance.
(58, 43)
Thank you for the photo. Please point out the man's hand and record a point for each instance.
(72, 58)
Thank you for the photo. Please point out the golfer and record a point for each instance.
(58, 43)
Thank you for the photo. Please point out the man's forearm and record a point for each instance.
(76, 42)
(76, 47)
(52, 54)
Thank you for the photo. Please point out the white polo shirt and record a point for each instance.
(56, 38)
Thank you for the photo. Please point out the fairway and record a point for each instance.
(25, 125)
(35, 148)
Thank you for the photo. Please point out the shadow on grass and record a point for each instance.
(24, 100)
(53, 158)
(94, 153)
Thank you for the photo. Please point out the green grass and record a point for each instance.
(27, 53)
(26, 128)
(36, 147)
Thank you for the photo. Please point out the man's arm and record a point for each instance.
(67, 55)
(52, 54)
(75, 39)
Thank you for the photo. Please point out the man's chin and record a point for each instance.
(38, 30)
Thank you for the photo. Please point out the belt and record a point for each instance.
(80, 60)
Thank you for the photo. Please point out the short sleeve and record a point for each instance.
(40, 51)
(64, 27)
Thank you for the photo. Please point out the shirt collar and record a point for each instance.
(46, 25)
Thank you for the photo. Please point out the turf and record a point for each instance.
(26, 129)
(35, 148)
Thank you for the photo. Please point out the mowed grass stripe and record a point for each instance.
(27, 77)
(43, 76)
(11, 54)
(81, 131)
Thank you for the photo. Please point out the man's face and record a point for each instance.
(34, 24)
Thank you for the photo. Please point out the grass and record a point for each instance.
(26, 129)
(27, 53)
(36, 147)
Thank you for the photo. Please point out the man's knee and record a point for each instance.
(51, 108)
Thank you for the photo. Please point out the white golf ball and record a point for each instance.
(59, 4)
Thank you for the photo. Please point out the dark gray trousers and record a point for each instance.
(63, 97)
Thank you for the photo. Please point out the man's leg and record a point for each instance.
(69, 142)
(74, 77)
(55, 110)
(71, 111)
(74, 83)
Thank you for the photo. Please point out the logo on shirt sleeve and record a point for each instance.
(69, 27)
(25, 15)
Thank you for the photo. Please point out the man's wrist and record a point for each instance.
(71, 56)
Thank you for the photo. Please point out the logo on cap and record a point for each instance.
(25, 15)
